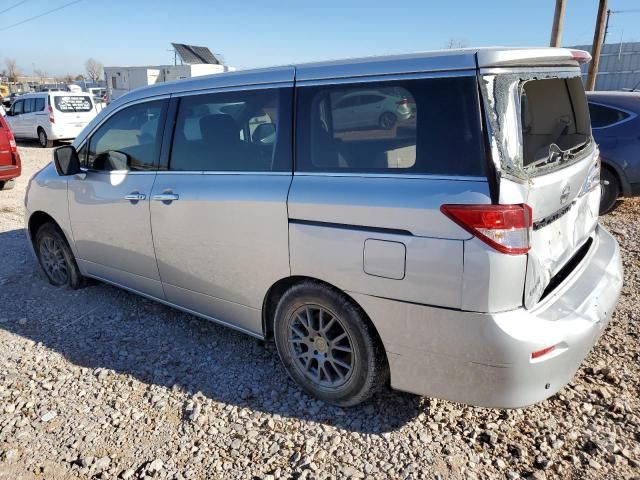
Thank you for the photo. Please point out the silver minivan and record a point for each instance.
(428, 221)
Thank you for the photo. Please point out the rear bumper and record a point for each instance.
(9, 172)
(64, 131)
(485, 359)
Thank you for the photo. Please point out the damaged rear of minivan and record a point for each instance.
(545, 165)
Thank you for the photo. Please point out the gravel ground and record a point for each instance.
(100, 383)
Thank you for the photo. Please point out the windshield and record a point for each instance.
(73, 103)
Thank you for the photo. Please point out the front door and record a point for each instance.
(15, 120)
(109, 204)
(219, 213)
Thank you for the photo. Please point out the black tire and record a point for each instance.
(369, 370)
(610, 190)
(43, 140)
(7, 184)
(50, 238)
(387, 120)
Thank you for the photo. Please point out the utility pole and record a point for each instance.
(558, 22)
(606, 27)
(598, 36)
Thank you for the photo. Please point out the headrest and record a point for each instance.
(219, 127)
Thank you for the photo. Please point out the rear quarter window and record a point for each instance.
(72, 104)
(604, 116)
(423, 126)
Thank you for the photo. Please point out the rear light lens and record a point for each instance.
(580, 56)
(592, 181)
(51, 117)
(15, 156)
(542, 353)
(404, 101)
(506, 228)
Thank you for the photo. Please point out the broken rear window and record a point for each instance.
(555, 120)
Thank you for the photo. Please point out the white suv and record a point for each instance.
(50, 116)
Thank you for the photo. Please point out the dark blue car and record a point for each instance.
(615, 123)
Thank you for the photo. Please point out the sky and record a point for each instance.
(257, 33)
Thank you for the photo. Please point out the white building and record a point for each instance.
(120, 80)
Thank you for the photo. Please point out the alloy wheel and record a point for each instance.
(320, 346)
(53, 261)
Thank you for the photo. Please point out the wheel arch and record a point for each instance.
(279, 288)
(625, 187)
(39, 218)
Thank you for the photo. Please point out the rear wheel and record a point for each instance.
(387, 120)
(43, 140)
(328, 346)
(56, 259)
(610, 190)
(7, 184)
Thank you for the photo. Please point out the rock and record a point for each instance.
(102, 463)
(50, 415)
(127, 474)
(86, 461)
(12, 455)
(155, 466)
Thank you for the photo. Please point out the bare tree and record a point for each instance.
(454, 42)
(12, 69)
(41, 74)
(68, 78)
(94, 69)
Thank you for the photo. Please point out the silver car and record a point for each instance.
(454, 252)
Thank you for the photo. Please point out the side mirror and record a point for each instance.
(9, 113)
(66, 160)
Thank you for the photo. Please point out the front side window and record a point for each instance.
(425, 126)
(16, 108)
(129, 140)
(234, 131)
(602, 116)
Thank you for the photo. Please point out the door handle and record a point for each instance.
(166, 197)
(135, 197)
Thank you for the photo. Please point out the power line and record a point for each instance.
(40, 15)
(13, 6)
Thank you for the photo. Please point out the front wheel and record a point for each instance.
(56, 258)
(328, 346)
(43, 140)
(610, 190)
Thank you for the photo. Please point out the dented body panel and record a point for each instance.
(459, 318)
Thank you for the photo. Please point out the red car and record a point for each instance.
(10, 166)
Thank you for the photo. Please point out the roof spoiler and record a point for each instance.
(532, 57)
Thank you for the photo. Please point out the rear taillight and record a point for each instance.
(507, 228)
(404, 101)
(15, 156)
(51, 117)
(581, 56)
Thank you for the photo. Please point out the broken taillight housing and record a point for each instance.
(506, 228)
